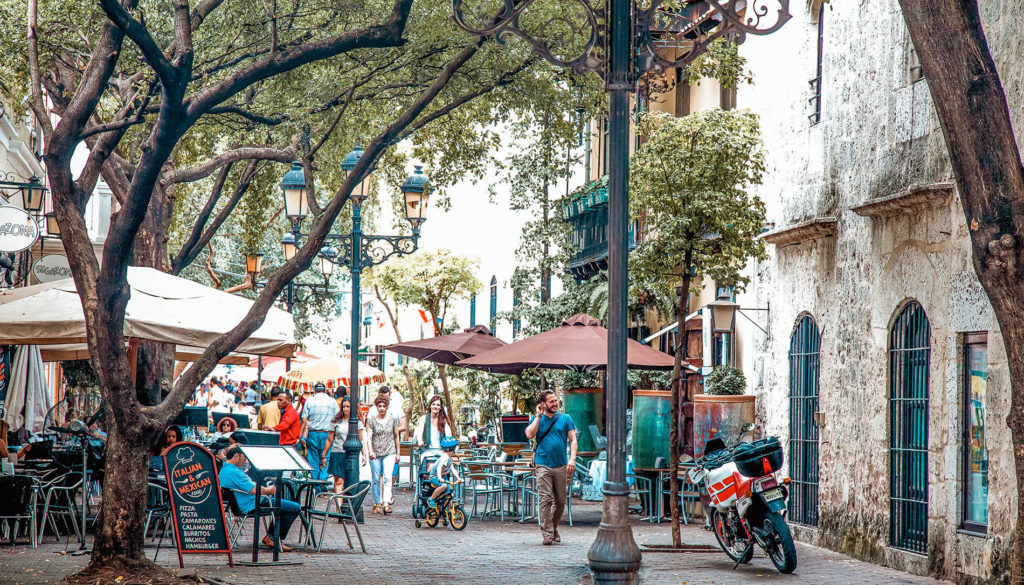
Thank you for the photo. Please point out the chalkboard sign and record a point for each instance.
(194, 488)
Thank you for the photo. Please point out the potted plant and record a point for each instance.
(723, 409)
(584, 402)
(652, 417)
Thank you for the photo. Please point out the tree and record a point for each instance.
(165, 102)
(975, 117)
(431, 281)
(688, 190)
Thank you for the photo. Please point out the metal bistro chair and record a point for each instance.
(480, 481)
(158, 508)
(59, 500)
(237, 518)
(640, 488)
(18, 495)
(405, 460)
(346, 503)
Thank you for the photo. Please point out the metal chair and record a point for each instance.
(405, 460)
(158, 507)
(347, 503)
(238, 518)
(18, 496)
(640, 488)
(59, 500)
(479, 481)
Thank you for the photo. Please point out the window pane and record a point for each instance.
(976, 470)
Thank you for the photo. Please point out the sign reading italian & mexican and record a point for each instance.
(18, 230)
(196, 504)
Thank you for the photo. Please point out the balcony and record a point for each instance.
(586, 210)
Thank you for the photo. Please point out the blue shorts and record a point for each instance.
(435, 482)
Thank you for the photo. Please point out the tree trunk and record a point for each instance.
(677, 385)
(973, 112)
(119, 537)
(447, 396)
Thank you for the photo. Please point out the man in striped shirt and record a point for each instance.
(316, 422)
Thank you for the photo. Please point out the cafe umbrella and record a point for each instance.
(332, 372)
(448, 349)
(580, 343)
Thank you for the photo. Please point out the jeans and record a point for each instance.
(382, 487)
(551, 488)
(289, 512)
(316, 441)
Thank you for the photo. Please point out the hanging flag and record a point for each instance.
(423, 315)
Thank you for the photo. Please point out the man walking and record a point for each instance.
(290, 426)
(316, 422)
(555, 433)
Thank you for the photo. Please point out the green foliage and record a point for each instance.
(649, 379)
(430, 280)
(721, 61)
(79, 374)
(725, 381)
(688, 188)
(568, 379)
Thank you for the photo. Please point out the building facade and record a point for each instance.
(884, 371)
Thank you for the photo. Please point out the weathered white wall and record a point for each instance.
(878, 136)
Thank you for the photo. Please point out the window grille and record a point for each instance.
(804, 369)
(909, 359)
(815, 83)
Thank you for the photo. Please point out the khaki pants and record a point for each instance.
(551, 488)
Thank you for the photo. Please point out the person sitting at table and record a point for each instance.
(171, 436)
(232, 476)
(433, 426)
(290, 426)
(225, 427)
(440, 470)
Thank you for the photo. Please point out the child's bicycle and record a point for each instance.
(449, 511)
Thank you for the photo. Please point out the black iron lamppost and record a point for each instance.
(620, 40)
(357, 251)
(33, 194)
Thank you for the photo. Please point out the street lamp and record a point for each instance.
(723, 316)
(357, 251)
(621, 41)
(52, 227)
(293, 187)
(254, 266)
(32, 194)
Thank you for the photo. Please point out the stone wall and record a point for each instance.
(878, 138)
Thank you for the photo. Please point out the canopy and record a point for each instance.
(580, 343)
(331, 372)
(448, 349)
(162, 308)
(80, 351)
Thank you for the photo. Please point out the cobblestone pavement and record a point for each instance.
(487, 552)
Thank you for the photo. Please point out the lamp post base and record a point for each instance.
(614, 557)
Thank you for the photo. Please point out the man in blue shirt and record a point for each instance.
(232, 476)
(555, 433)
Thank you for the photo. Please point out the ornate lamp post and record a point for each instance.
(357, 251)
(620, 40)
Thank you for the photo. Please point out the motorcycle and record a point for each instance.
(746, 503)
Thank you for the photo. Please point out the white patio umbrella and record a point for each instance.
(162, 308)
(28, 399)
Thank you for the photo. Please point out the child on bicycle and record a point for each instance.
(441, 469)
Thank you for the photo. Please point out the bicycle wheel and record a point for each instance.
(457, 517)
(432, 517)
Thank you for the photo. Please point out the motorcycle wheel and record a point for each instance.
(780, 549)
(457, 517)
(735, 549)
(432, 517)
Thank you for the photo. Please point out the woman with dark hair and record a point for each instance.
(433, 426)
(336, 445)
(171, 436)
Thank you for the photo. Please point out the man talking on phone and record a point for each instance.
(555, 433)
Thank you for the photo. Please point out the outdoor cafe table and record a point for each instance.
(516, 471)
(305, 489)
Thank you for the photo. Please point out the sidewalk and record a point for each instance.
(486, 552)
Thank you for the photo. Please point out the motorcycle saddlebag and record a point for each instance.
(759, 458)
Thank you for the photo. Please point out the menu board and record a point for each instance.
(196, 504)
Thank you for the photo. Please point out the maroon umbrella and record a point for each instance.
(448, 349)
(580, 343)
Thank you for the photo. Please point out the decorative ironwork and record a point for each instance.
(374, 250)
(663, 38)
(14, 268)
(909, 361)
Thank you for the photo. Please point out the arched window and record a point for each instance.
(804, 368)
(909, 359)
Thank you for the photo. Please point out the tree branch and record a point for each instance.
(252, 117)
(139, 35)
(33, 66)
(285, 155)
